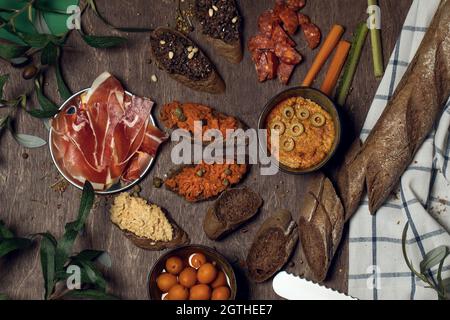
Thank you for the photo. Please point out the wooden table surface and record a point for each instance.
(28, 205)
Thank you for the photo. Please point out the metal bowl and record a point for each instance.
(184, 252)
(315, 96)
(120, 186)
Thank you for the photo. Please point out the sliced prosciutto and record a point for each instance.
(105, 136)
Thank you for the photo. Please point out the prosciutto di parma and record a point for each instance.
(105, 135)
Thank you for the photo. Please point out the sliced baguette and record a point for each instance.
(230, 211)
(272, 247)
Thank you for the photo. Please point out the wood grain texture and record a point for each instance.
(28, 205)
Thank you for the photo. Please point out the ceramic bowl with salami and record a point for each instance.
(105, 135)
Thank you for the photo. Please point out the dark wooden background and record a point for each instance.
(28, 204)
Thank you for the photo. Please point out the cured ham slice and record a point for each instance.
(105, 135)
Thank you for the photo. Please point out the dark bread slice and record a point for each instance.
(320, 226)
(272, 247)
(230, 211)
(223, 29)
(210, 82)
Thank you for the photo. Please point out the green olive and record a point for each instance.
(303, 113)
(179, 114)
(278, 126)
(288, 112)
(318, 120)
(297, 129)
(288, 144)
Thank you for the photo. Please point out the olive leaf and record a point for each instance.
(9, 243)
(36, 40)
(25, 140)
(3, 122)
(3, 297)
(433, 258)
(102, 42)
(47, 254)
(10, 50)
(49, 54)
(63, 90)
(93, 275)
(65, 245)
(93, 6)
(101, 257)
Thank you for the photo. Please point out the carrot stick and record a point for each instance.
(335, 68)
(325, 51)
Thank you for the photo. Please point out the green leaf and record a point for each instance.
(3, 297)
(94, 276)
(405, 255)
(47, 253)
(5, 233)
(93, 6)
(86, 203)
(42, 114)
(101, 257)
(433, 258)
(13, 244)
(63, 90)
(65, 246)
(3, 79)
(49, 55)
(3, 122)
(36, 40)
(29, 141)
(9, 50)
(44, 102)
(90, 294)
(103, 42)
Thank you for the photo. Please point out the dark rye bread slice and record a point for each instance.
(222, 29)
(230, 211)
(196, 72)
(320, 226)
(272, 247)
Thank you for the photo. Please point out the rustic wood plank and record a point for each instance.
(28, 205)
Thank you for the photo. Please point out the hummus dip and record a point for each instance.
(306, 133)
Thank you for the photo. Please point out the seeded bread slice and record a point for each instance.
(230, 211)
(272, 247)
(207, 80)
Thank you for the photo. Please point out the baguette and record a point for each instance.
(378, 164)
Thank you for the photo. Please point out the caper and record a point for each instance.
(179, 114)
(288, 144)
(200, 173)
(297, 129)
(226, 182)
(157, 182)
(288, 112)
(29, 72)
(318, 120)
(303, 113)
(279, 127)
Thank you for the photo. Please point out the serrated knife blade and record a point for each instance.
(292, 287)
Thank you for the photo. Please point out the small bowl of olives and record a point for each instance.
(192, 272)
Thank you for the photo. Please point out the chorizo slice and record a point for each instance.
(295, 4)
(285, 72)
(267, 21)
(272, 65)
(312, 34)
(279, 35)
(303, 19)
(287, 54)
(261, 65)
(289, 19)
(260, 42)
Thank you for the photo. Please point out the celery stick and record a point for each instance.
(359, 38)
(377, 51)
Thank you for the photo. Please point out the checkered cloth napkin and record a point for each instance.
(377, 269)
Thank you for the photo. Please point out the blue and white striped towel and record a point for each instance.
(377, 269)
